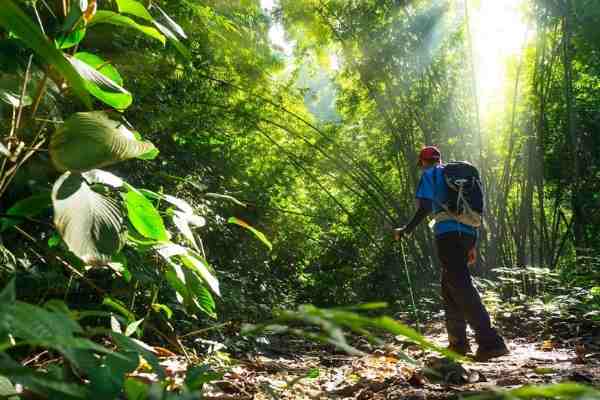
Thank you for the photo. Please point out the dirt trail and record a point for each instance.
(295, 371)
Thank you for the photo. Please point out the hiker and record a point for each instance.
(456, 248)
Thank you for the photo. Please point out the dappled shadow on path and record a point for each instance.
(382, 373)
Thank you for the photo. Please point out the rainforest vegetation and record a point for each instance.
(197, 196)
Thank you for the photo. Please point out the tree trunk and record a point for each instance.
(578, 217)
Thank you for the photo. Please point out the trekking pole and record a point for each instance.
(410, 288)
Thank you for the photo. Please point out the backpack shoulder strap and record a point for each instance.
(443, 207)
(434, 178)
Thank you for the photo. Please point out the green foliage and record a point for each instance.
(112, 18)
(144, 216)
(233, 115)
(102, 220)
(91, 140)
(26, 208)
(13, 19)
(332, 322)
(102, 80)
(567, 390)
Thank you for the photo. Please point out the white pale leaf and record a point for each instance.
(179, 203)
(114, 324)
(96, 77)
(196, 220)
(170, 250)
(89, 223)
(103, 177)
(181, 221)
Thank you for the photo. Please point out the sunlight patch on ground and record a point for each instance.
(498, 31)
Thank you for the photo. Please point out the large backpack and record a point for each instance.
(465, 193)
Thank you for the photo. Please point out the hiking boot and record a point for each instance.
(486, 353)
(461, 349)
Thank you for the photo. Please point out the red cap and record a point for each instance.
(429, 153)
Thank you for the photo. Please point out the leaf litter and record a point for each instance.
(290, 368)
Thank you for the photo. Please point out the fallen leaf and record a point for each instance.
(417, 379)
(580, 351)
(509, 381)
(474, 377)
(547, 345)
(162, 352)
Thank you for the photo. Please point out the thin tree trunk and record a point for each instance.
(578, 217)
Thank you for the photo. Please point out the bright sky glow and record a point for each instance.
(267, 4)
(334, 62)
(276, 31)
(278, 40)
(498, 31)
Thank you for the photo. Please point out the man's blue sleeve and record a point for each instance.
(425, 188)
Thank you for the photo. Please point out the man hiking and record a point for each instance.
(455, 243)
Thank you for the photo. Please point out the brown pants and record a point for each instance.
(462, 303)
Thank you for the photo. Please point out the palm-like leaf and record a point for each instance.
(91, 140)
(110, 17)
(135, 8)
(89, 223)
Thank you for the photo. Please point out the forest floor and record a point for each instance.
(288, 368)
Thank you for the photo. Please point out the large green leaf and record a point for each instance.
(183, 220)
(7, 389)
(13, 19)
(565, 390)
(28, 207)
(107, 380)
(144, 216)
(89, 223)
(179, 203)
(131, 345)
(176, 278)
(72, 38)
(11, 90)
(136, 390)
(192, 261)
(110, 17)
(90, 140)
(198, 264)
(187, 283)
(202, 296)
(133, 7)
(8, 294)
(38, 382)
(102, 80)
(100, 65)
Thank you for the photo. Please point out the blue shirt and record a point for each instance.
(436, 191)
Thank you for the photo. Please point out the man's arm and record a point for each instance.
(425, 192)
(423, 210)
